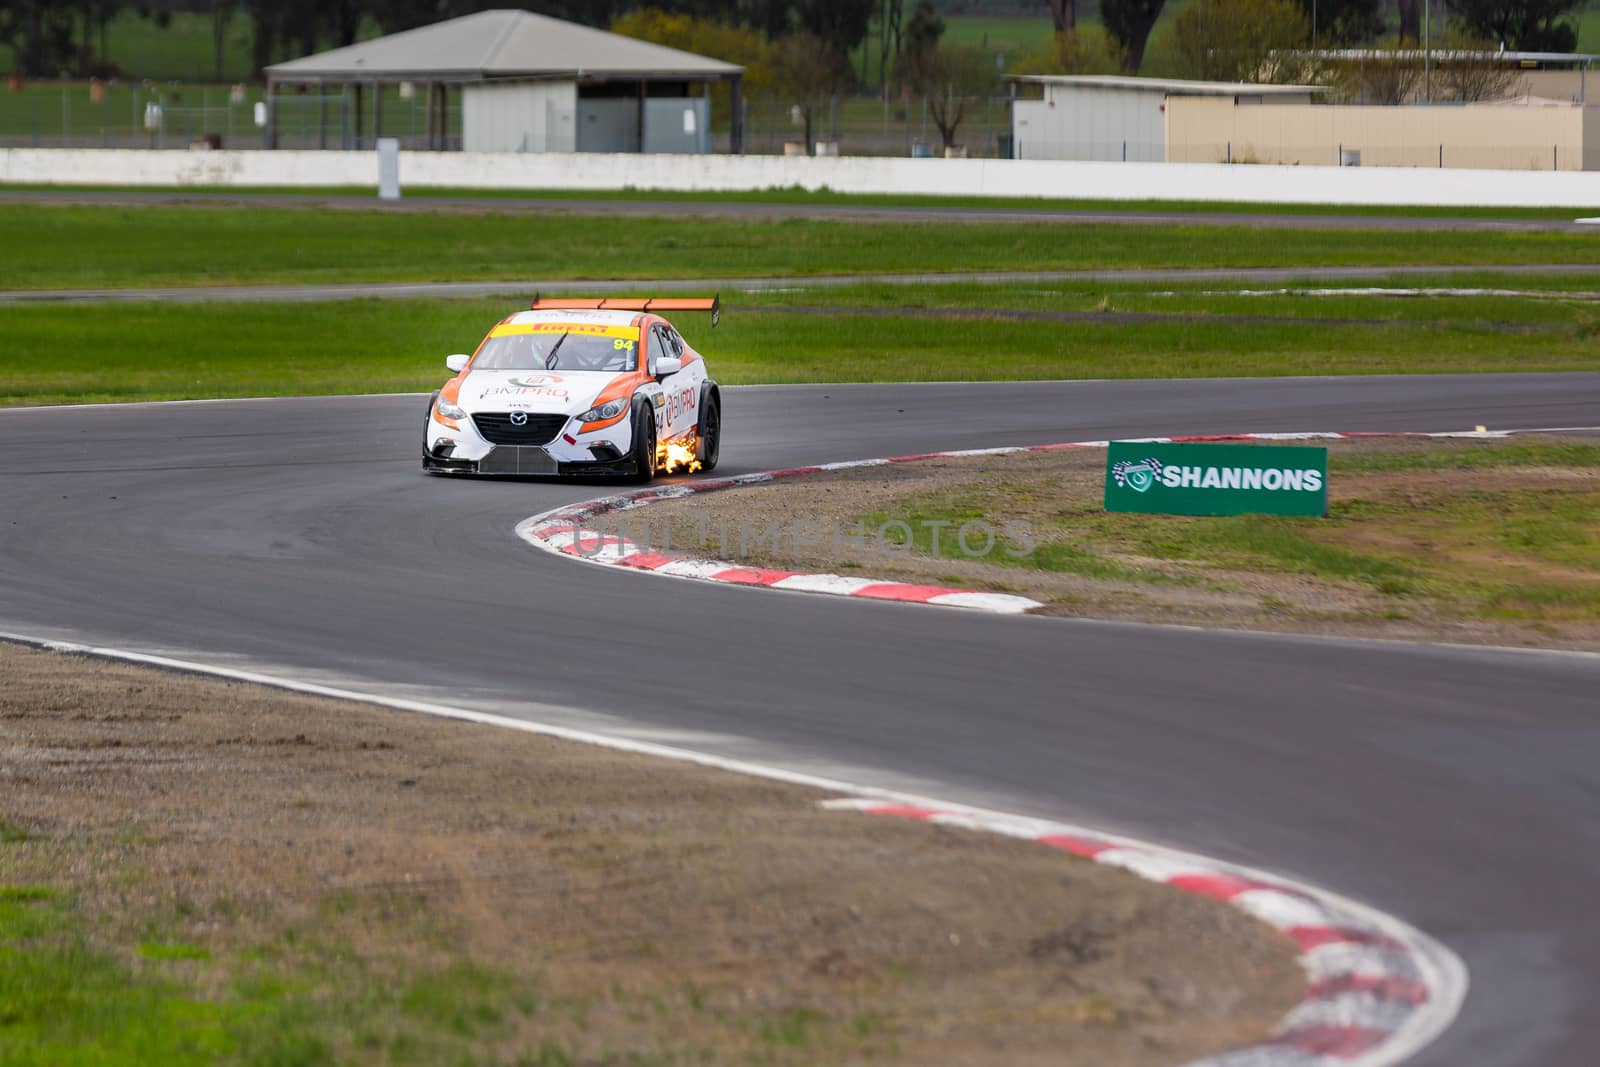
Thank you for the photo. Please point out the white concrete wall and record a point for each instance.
(520, 117)
(848, 174)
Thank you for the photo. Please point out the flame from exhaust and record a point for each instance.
(675, 457)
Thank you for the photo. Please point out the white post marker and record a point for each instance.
(388, 168)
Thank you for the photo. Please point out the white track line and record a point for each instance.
(1410, 987)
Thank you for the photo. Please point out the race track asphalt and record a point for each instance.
(1456, 788)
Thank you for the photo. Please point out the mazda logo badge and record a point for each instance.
(519, 418)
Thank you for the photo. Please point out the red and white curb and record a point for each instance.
(1379, 990)
(568, 531)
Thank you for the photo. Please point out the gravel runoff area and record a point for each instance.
(1473, 541)
(565, 903)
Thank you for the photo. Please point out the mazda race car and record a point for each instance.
(578, 387)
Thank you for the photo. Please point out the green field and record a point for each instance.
(871, 331)
(99, 246)
(57, 354)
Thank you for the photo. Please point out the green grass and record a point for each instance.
(61, 246)
(55, 354)
(1524, 453)
(304, 999)
(1442, 549)
(825, 197)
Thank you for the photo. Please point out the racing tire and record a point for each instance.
(708, 431)
(426, 419)
(644, 446)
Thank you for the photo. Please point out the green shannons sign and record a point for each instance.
(1202, 479)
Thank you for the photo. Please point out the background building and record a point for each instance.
(527, 83)
(1115, 118)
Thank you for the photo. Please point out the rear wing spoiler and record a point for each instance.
(714, 305)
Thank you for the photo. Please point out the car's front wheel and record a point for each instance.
(427, 420)
(709, 431)
(644, 446)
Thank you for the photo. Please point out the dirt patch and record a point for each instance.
(1458, 545)
(607, 907)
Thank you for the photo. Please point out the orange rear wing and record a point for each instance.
(714, 305)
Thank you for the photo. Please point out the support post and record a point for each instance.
(736, 131)
(322, 116)
(272, 114)
(358, 87)
(644, 88)
(427, 105)
(377, 111)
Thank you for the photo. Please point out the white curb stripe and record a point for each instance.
(1363, 1008)
(1412, 955)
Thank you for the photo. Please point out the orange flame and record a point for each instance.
(674, 457)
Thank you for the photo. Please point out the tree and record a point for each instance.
(924, 30)
(1344, 21)
(1410, 21)
(1088, 50)
(951, 77)
(705, 37)
(1130, 21)
(1235, 40)
(841, 24)
(1469, 71)
(1521, 25)
(40, 34)
(807, 74)
(1063, 14)
(1390, 77)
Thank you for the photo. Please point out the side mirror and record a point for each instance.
(668, 365)
(456, 363)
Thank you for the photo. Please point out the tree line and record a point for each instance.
(51, 37)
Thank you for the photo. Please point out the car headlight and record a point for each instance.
(446, 410)
(609, 410)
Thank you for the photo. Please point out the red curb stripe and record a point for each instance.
(1383, 987)
(751, 576)
(914, 459)
(1403, 994)
(1058, 448)
(902, 811)
(919, 594)
(1219, 886)
(1310, 937)
(1086, 847)
(794, 472)
(646, 561)
(1344, 1042)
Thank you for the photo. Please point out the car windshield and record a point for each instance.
(558, 348)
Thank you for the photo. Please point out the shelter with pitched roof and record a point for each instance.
(525, 82)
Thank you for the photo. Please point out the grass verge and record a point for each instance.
(51, 246)
(55, 354)
(824, 197)
(1495, 542)
(206, 872)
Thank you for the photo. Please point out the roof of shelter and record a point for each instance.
(501, 44)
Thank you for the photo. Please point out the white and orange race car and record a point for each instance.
(578, 387)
